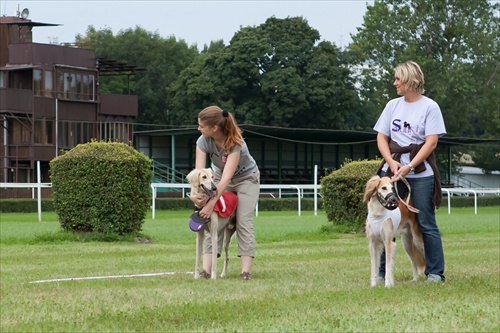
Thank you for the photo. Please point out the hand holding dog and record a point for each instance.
(207, 209)
(198, 200)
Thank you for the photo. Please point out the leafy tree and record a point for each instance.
(162, 58)
(456, 44)
(273, 74)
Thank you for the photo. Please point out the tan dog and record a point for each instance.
(387, 218)
(202, 181)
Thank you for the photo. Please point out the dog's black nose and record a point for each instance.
(214, 187)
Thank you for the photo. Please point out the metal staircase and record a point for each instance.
(164, 174)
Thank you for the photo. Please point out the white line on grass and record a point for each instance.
(109, 277)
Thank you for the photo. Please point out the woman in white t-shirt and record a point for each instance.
(235, 171)
(408, 132)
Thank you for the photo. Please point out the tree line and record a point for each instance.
(280, 73)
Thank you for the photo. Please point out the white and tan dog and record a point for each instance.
(222, 218)
(387, 218)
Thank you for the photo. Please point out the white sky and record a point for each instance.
(196, 22)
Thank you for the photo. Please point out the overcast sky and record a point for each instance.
(196, 22)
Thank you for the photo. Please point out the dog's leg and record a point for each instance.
(199, 249)
(228, 233)
(390, 251)
(375, 251)
(227, 240)
(214, 231)
(375, 248)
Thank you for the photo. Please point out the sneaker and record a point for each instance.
(434, 278)
(205, 275)
(245, 276)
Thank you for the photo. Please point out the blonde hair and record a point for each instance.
(410, 74)
(215, 116)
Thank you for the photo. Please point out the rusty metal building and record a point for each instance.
(50, 101)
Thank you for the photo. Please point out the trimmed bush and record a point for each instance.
(265, 204)
(343, 191)
(25, 205)
(101, 187)
(31, 205)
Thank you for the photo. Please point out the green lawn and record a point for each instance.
(306, 279)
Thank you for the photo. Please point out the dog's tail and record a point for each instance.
(418, 251)
(419, 255)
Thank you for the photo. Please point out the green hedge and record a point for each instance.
(31, 205)
(101, 187)
(343, 191)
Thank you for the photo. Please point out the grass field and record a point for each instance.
(306, 279)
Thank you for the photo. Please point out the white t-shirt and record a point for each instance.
(409, 123)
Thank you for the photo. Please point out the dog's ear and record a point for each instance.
(371, 188)
(191, 176)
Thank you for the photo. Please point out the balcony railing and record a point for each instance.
(119, 105)
(16, 100)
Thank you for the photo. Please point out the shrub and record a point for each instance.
(101, 187)
(343, 191)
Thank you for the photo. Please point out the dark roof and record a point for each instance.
(30, 23)
(312, 135)
(114, 67)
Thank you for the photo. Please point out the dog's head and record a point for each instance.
(203, 181)
(383, 189)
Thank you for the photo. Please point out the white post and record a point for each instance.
(39, 181)
(5, 158)
(57, 128)
(153, 188)
(315, 189)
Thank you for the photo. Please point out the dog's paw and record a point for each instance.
(389, 284)
(204, 274)
(376, 281)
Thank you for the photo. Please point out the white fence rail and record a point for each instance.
(283, 189)
(38, 185)
(294, 190)
(467, 192)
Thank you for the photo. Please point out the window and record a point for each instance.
(3, 79)
(91, 88)
(60, 84)
(49, 131)
(48, 84)
(37, 82)
(38, 131)
(20, 131)
(78, 86)
(72, 89)
(86, 87)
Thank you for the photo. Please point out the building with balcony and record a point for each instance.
(50, 101)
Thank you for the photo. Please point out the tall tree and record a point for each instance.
(455, 42)
(274, 74)
(162, 58)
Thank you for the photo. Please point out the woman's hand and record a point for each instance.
(395, 166)
(207, 209)
(402, 172)
(198, 200)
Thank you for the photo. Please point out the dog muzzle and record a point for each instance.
(390, 201)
